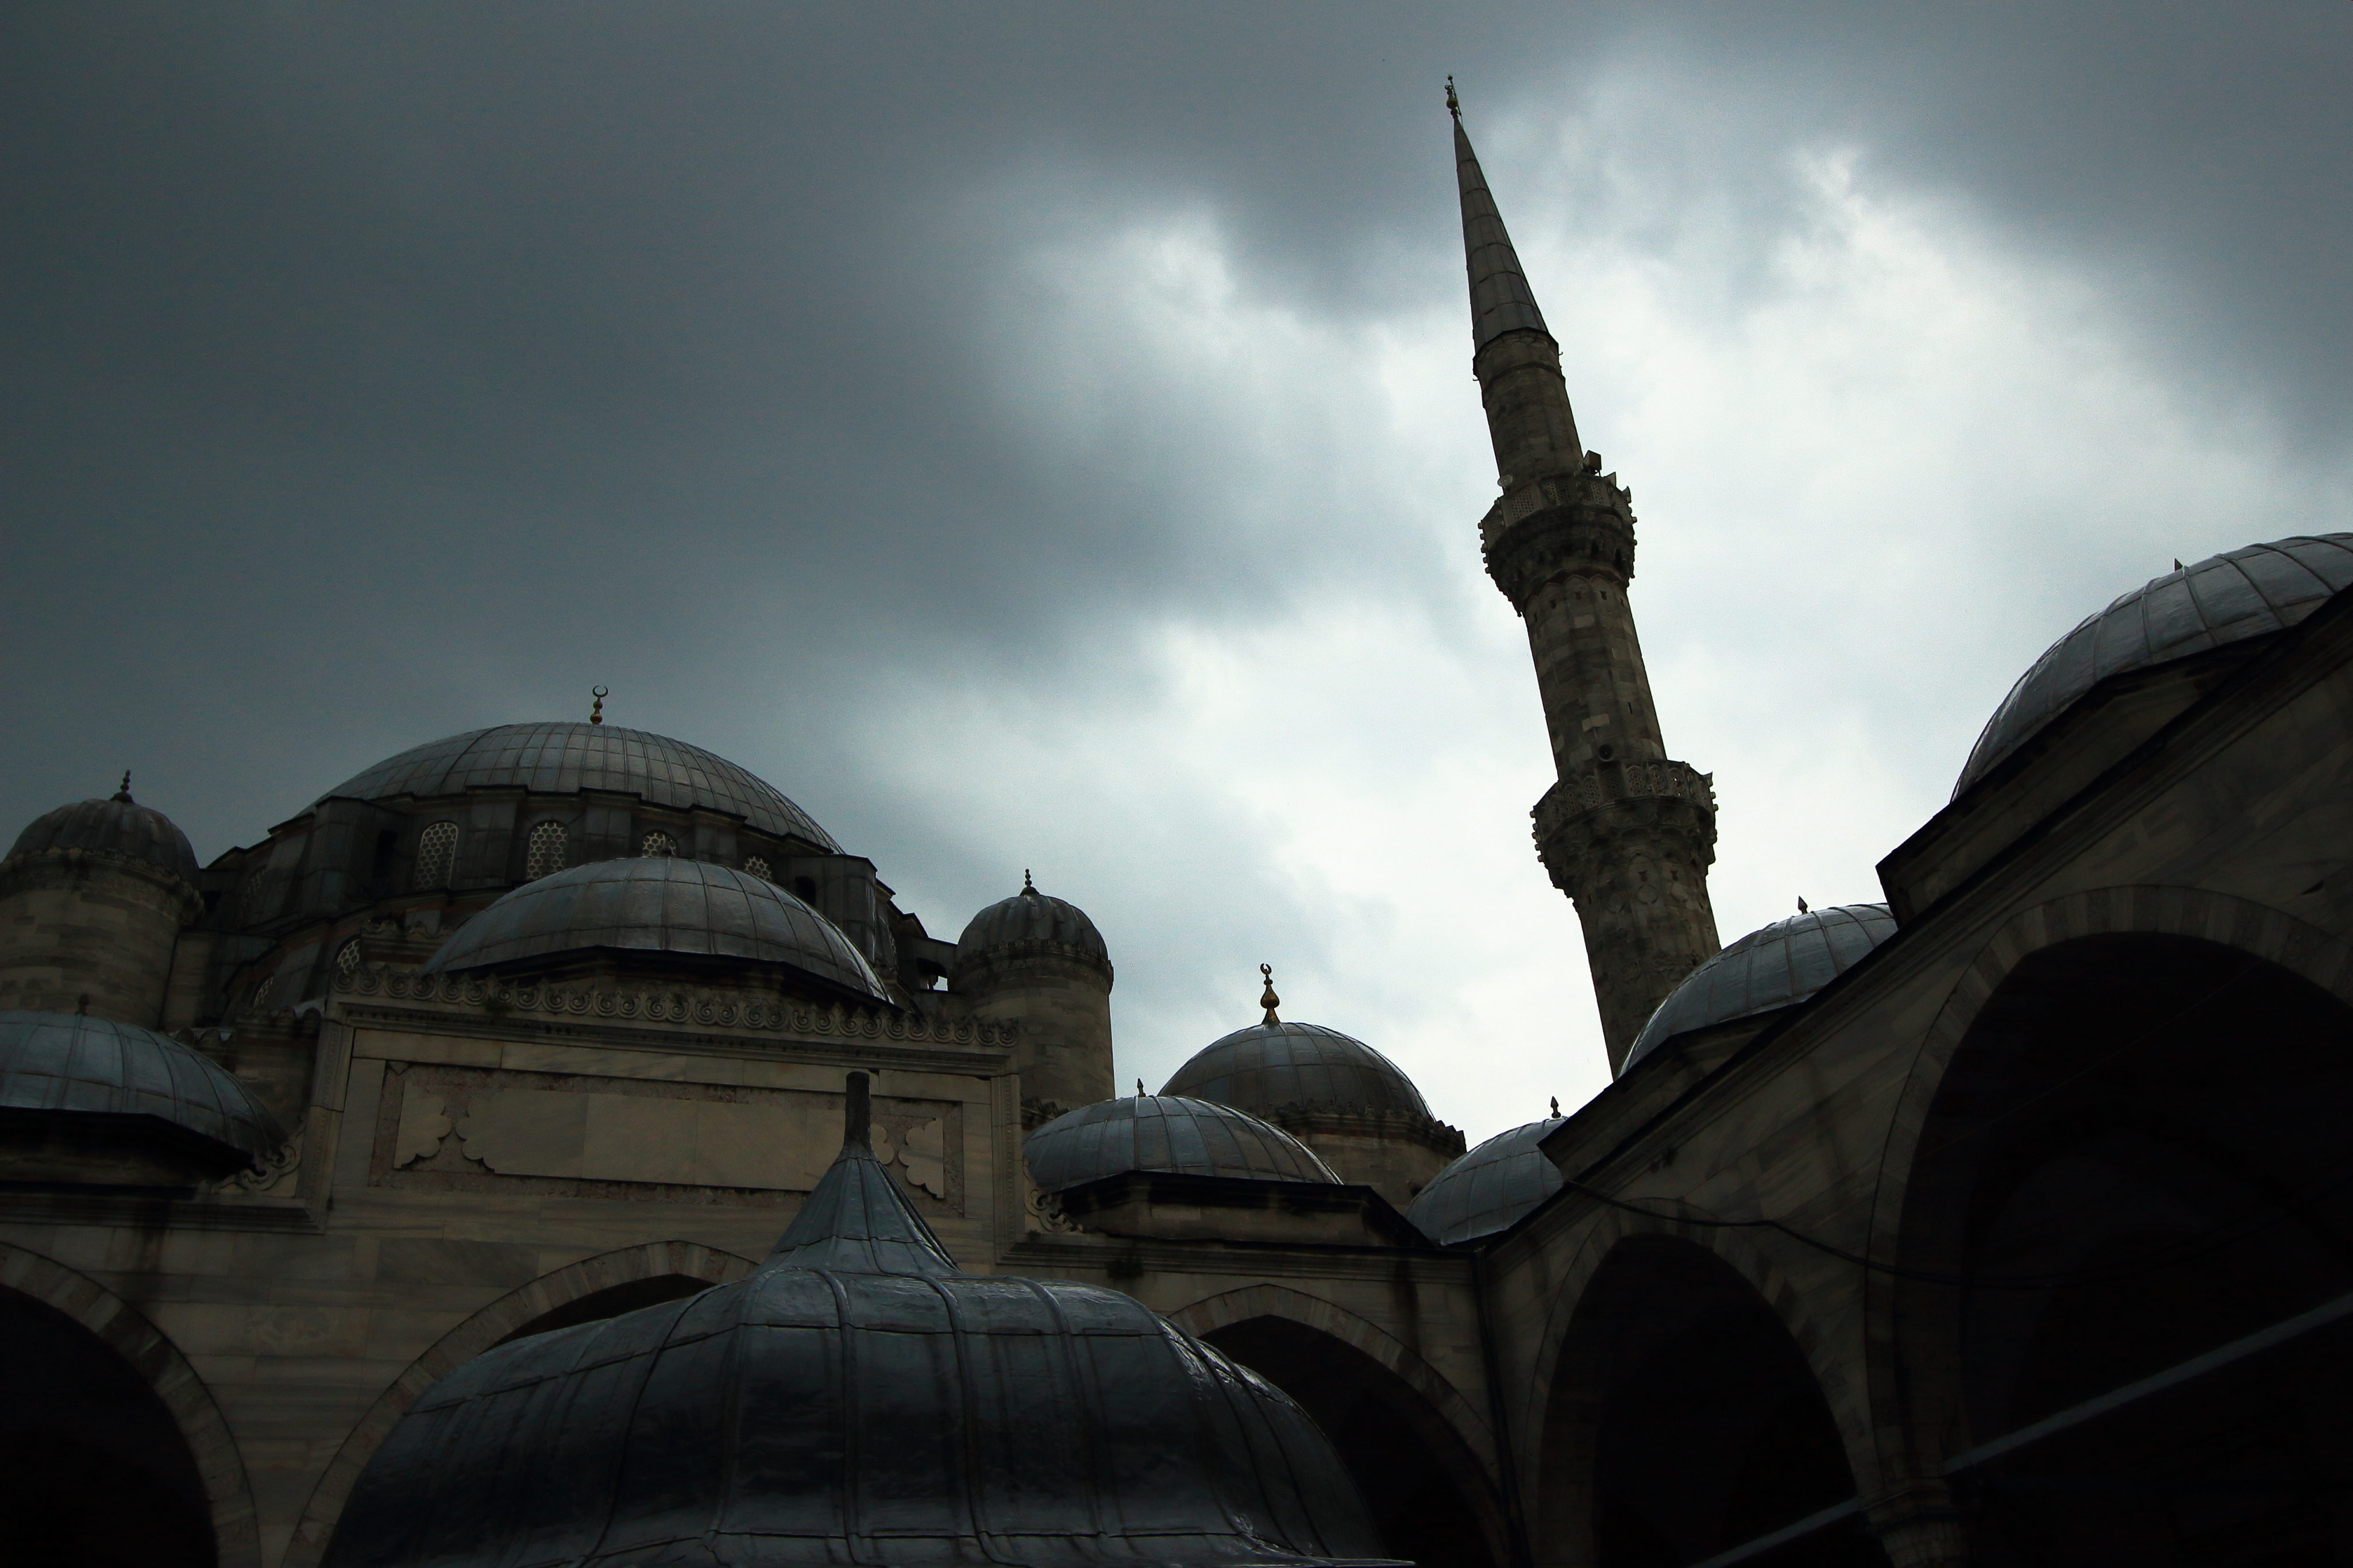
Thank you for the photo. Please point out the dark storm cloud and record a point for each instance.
(376, 371)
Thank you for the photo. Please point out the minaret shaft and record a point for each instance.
(1627, 832)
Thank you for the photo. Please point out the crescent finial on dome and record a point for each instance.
(1266, 998)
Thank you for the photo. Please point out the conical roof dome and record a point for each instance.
(858, 1399)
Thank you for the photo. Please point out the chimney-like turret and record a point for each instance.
(1627, 833)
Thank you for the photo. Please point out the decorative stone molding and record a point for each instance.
(1559, 524)
(281, 1167)
(1622, 781)
(1580, 844)
(716, 1009)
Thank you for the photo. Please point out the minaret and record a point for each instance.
(1627, 833)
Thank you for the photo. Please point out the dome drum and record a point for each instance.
(93, 898)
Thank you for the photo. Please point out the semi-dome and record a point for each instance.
(562, 759)
(67, 1062)
(660, 904)
(1165, 1132)
(118, 825)
(1489, 1188)
(1030, 919)
(858, 1399)
(1778, 965)
(1269, 1066)
(2222, 599)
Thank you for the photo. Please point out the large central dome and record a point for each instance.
(562, 759)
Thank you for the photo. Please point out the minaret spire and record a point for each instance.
(1627, 832)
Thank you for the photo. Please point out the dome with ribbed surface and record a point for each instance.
(1027, 918)
(1489, 1188)
(63, 1062)
(1270, 1066)
(1776, 966)
(858, 1399)
(2223, 599)
(117, 827)
(659, 904)
(1165, 1132)
(563, 759)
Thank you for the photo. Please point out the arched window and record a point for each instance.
(805, 890)
(347, 959)
(757, 865)
(436, 852)
(657, 842)
(550, 847)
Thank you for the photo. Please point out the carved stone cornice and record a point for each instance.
(969, 964)
(1605, 809)
(1556, 525)
(670, 1004)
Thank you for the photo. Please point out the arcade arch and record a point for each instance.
(2134, 1157)
(1683, 1421)
(1432, 1499)
(96, 1402)
(600, 1286)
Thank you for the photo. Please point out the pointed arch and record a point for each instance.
(122, 1329)
(2257, 930)
(544, 1297)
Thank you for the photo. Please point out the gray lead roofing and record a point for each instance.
(659, 903)
(1269, 1066)
(564, 758)
(2222, 599)
(1165, 1132)
(1030, 916)
(1775, 966)
(117, 827)
(858, 1399)
(59, 1061)
(1501, 299)
(1489, 1188)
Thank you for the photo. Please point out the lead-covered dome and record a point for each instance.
(659, 904)
(2223, 599)
(119, 825)
(1489, 1188)
(1267, 1066)
(1775, 966)
(1165, 1132)
(858, 1399)
(563, 759)
(1030, 921)
(67, 1062)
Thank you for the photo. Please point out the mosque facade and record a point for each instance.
(551, 1146)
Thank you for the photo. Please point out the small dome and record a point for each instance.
(1030, 916)
(858, 1398)
(117, 827)
(659, 904)
(1165, 1132)
(1488, 1189)
(64, 1061)
(1778, 965)
(564, 759)
(2222, 599)
(1269, 1066)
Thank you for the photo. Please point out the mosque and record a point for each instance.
(550, 1146)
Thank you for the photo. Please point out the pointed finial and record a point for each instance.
(1801, 908)
(1266, 998)
(81, 1006)
(1556, 1106)
(2177, 563)
(596, 709)
(1026, 885)
(1453, 104)
(123, 794)
(1139, 1089)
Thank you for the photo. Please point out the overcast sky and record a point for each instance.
(1043, 436)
